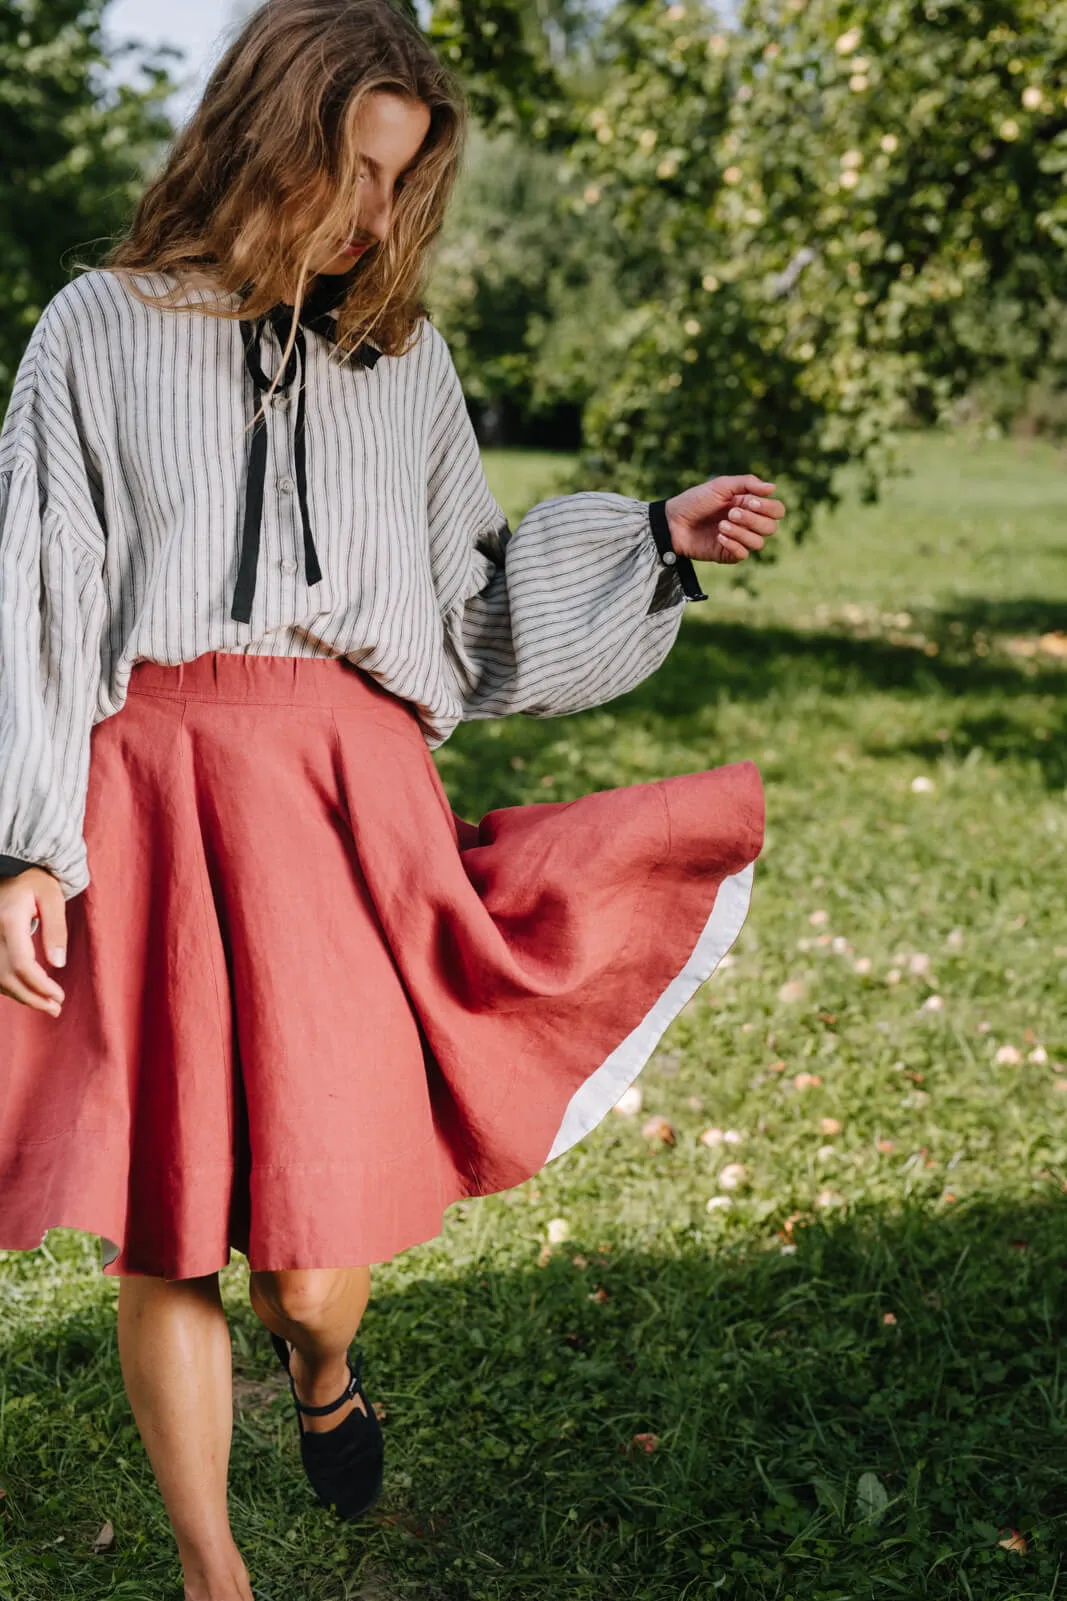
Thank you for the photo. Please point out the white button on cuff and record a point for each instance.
(288, 566)
(286, 485)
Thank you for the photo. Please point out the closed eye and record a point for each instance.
(371, 169)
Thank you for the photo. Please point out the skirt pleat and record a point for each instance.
(307, 1007)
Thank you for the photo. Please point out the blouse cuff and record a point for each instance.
(683, 567)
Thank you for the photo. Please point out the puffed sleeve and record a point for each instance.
(52, 618)
(574, 607)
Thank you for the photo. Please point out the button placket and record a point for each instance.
(277, 471)
(286, 519)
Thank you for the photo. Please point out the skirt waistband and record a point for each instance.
(218, 675)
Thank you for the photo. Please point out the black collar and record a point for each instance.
(323, 299)
(317, 315)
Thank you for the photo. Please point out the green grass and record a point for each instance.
(855, 1372)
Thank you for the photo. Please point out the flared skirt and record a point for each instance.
(307, 1007)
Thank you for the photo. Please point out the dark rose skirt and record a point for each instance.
(307, 1007)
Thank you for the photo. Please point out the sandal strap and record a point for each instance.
(351, 1390)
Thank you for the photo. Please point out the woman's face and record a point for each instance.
(389, 133)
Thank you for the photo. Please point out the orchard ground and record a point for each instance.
(846, 1378)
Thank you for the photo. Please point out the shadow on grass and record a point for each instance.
(869, 1416)
(726, 661)
(1031, 614)
(753, 663)
(1001, 738)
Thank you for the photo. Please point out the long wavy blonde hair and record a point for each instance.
(263, 179)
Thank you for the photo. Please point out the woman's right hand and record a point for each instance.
(34, 893)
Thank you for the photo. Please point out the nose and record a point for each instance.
(376, 213)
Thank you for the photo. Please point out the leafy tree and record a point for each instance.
(929, 186)
(822, 218)
(75, 147)
(518, 288)
(522, 278)
(509, 54)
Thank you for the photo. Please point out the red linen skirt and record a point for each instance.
(307, 1007)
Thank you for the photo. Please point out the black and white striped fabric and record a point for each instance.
(123, 462)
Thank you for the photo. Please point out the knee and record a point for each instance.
(304, 1296)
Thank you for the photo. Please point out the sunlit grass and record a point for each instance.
(853, 1372)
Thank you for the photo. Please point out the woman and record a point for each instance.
(250, 574)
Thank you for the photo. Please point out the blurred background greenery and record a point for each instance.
(685, 239)
(795, 1328)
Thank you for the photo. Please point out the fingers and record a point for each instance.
(726, 519)
(17, 990)
(739, 530)
(744, 484)
(759, 503)
(752, 522)
(728, 549)
(53, 912)
(22, 977)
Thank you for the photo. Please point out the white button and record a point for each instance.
(288, 566)
(286, 485)
(668, 558)
(280, 402)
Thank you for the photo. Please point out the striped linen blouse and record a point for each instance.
(124, 464)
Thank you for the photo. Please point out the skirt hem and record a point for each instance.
(593, 1099)
(588, 1106)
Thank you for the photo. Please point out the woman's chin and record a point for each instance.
(338, 265)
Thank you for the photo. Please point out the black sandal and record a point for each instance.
(344, 1466)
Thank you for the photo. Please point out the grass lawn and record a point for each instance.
(853, 1373)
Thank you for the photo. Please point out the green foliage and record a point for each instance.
(759, 247)
(77, 146)
(519, 285)
(506, 53)
(74, 152)
(928, 182)
(807, 1448)
(833, 216)
(494, 263)
(696, 377)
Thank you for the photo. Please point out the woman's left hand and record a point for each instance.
(724, 519)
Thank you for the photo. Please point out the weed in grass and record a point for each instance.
(853, 1371)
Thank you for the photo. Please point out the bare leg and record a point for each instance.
(318, 1310)
(174, 1344)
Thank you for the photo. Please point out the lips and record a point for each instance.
(353, 249)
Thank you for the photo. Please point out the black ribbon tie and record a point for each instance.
(315, 315)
